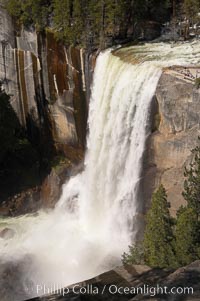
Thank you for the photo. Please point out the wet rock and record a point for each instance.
(26, 202)
(7, 233)
(51, 188)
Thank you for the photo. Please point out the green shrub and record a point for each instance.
(135, 254)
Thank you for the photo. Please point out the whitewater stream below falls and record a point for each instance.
(93, 222)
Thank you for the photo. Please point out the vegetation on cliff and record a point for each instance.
(86, 22)
(29, 12)
(170, 242)
(90, 23)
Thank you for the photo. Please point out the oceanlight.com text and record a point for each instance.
(113, 289)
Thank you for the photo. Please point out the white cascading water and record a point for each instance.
(93, 222)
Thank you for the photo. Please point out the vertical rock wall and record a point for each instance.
(176, 129)
(46, 81)
(8, 64)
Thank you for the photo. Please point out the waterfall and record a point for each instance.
(93, 222)
(118, 122)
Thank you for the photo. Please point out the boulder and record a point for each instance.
(7, 233)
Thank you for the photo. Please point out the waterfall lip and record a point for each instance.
(162, 49)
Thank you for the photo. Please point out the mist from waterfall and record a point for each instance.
(93, 222)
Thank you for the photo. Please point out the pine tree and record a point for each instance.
(174, 4)
(135, 254)
(78, 21)
(158, 238)
(35, 12)
(96, 13)
(158, 10)
(110, 18)
(191, 191)
(186, 235)
(62, 19)
(191, 8)
(124, 11)
(13, 7)
(30, 12)
(188, 218)
(87, 22)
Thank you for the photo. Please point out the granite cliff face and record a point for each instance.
(176, 108)
(47, 82)
(49, 88)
